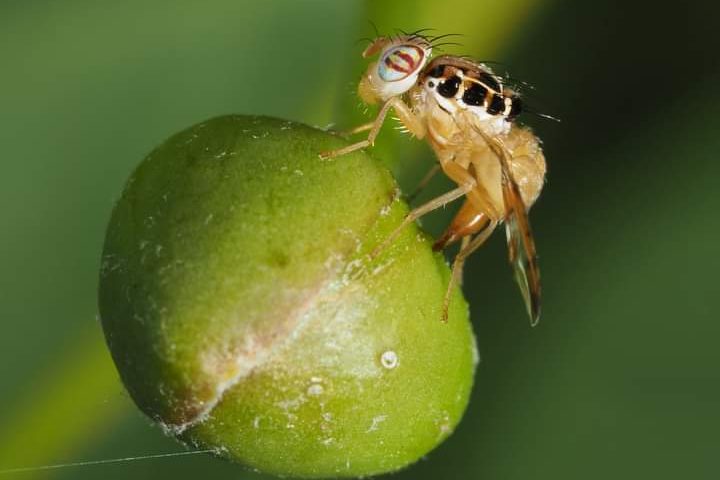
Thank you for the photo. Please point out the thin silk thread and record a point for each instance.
(100, 462)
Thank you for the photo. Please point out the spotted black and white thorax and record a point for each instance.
(457, 85)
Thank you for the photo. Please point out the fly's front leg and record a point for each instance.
(347, 133)
(374, 130)
(406, 116)
(359, 129)
(411, 121)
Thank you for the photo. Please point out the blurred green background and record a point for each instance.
(620, 379)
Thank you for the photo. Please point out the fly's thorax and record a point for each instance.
(460, 85)
(460, 129)
(442, 129)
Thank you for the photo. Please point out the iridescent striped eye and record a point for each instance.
(400, 62)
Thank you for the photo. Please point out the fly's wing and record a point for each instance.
(521, 245)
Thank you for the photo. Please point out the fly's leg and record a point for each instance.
(359, 129)
(374, 130)
(463, 245)
(348, 133)
(478, 196)
(405, 115)
(468, 248)
(418, 212)
(467, 222)
(423, 183)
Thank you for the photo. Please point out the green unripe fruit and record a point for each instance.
(243, 314)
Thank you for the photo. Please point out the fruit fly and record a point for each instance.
(467, 115)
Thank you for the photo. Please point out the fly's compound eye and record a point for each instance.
(399, 62)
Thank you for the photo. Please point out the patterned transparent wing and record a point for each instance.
(521, 245)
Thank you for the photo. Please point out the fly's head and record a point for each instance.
(401, 59)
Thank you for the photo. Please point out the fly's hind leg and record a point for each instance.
(424, 182)
(418, 212)
(468, 247)
(405, 115)
(467, 222)
(463, 245)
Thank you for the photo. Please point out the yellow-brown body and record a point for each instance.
(462, 138)
(467, 116)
